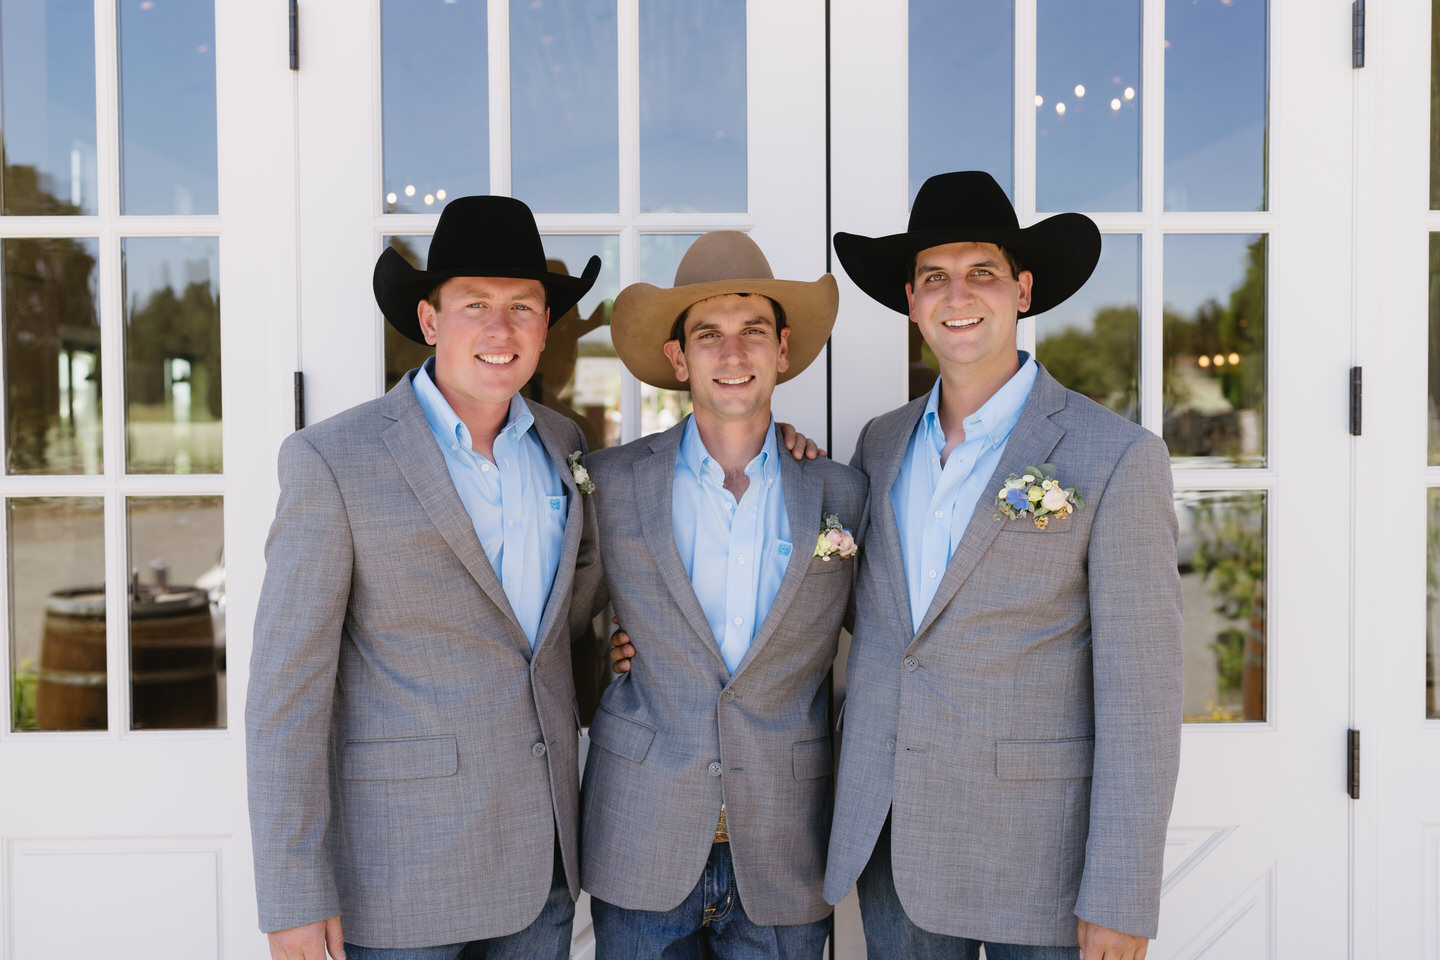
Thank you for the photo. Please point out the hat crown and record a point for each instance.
(722, 255)
(966, 199)
(499, 232)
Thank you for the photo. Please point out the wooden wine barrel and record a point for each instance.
(172, 661)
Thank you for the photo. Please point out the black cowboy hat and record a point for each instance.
(476, 237)
(969, 206)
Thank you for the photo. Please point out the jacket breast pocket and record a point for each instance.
(621, 736)
(1055, 528)
(812, 759)
(1066, 759)
(399, 758)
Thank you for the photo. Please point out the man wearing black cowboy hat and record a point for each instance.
(411, 734)
(1012, 724)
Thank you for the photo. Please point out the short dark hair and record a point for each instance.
(1015, 265)
(677, 329)
(434, 295)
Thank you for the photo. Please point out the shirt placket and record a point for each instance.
(935, 534)
(740, 568)
(512, 501)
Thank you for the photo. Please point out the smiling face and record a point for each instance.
(732, 358)
(488, 333)
(966, 301)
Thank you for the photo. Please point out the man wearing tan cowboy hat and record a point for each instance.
(1011, 731)
(411, 735)
(730, 564)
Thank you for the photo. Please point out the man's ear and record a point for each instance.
(428, 326)
(677, 360)
(782, 362)
(910, 299)
(1026, 281)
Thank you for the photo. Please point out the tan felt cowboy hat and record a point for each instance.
(718, 263)
(969, 206)
(476, 237)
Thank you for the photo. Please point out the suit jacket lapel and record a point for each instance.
(1030, 444)
(654, 484)
(557, 604)
(412, 444)
(802, 510)
(883, 537)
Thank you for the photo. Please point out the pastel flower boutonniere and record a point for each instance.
(581, 475)
(835, 541)
(1037, 494)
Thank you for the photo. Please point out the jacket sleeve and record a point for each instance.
(1135, 614)
(293, 669)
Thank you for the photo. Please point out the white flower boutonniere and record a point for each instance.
(581, 475)
(1037, 494)
(835, 541)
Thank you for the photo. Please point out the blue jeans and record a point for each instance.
(547, 937)
(710, 922)
(889, 933)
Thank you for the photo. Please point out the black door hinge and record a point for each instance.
(1354, 765)
(1354, 401)
(295, 34)
(1357, 33)
(299, 400)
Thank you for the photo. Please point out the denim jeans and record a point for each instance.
(889, 933)
(547, 937)
(710, 922)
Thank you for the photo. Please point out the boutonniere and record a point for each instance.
(581, 475)
(835, 541)
(1038, 494)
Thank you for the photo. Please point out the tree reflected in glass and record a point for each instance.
(1091, 342)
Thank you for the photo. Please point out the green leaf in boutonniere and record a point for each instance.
(581, 476)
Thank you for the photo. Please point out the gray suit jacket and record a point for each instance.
(410, 760)
(1025, 741)
(678, 733)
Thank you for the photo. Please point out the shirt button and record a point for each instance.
(538, 750)
(728, 695)
(911, 663)
(454, 446)
(890, 744)
(932, 572)
(939, 514)
(740, 560)
(715, 769)
(484, 468)
(739, 620)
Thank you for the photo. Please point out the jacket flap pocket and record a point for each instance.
(401, 758)
(620, 735)
(812, 759)
(1044, 759)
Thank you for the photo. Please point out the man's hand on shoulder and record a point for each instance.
(800, 446)
(309, 942)
(1102, 943)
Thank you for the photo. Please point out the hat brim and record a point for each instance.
(399, 287)
(644, 315)
(1060, 252)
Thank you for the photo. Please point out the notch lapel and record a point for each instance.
(882, 469)
(558, 602)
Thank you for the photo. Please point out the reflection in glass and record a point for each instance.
(177, 612)
(172, 354)
(1214, 345)
(1433, 404)
(52, 357)
(1222, 584)
(167, 108)
(1091, 342)
(692, 105)
(1215, 105)
(401, 353)
(57, 613)
(435, 103)
(962, 114)
(660, 255)
(1432, 608)
(564, 106)
(1087, 105)
(47, 99)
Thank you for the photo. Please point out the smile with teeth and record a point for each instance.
(963, 322)
(733, 381)
(497, 358)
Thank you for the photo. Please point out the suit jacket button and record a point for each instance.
(728, 695)
(890, 744)
(911, 663)
(538, 749)
(715, 769)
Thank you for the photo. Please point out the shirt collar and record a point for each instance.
(996, 417)
(694, 456)
(447, 426)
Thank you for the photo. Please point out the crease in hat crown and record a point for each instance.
(722, 255)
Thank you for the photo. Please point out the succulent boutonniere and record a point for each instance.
(581, 475)
(835, 541)
(1037, 494)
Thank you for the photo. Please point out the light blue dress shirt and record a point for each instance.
(516, 502)
(933, 505)
(735, 554)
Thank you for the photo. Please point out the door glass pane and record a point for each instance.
(579, 373)
(177, 612)
(1215, 105)
(1087, 105)
(47, 100)
(435, 102)
(1432, 609)
(167, 107)
(1222, 583)
(1215, 349)
(660, 255)
(52, 356)
(962, 114)
(57, 613)
(401, 353)
(564, 105)
(172, 354)
(1433, 406)
(1091, 342)
(692, 105)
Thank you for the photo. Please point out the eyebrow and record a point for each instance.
(930, 267)
(755, 321)
(484, 293)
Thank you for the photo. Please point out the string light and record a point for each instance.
(1060, 109)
